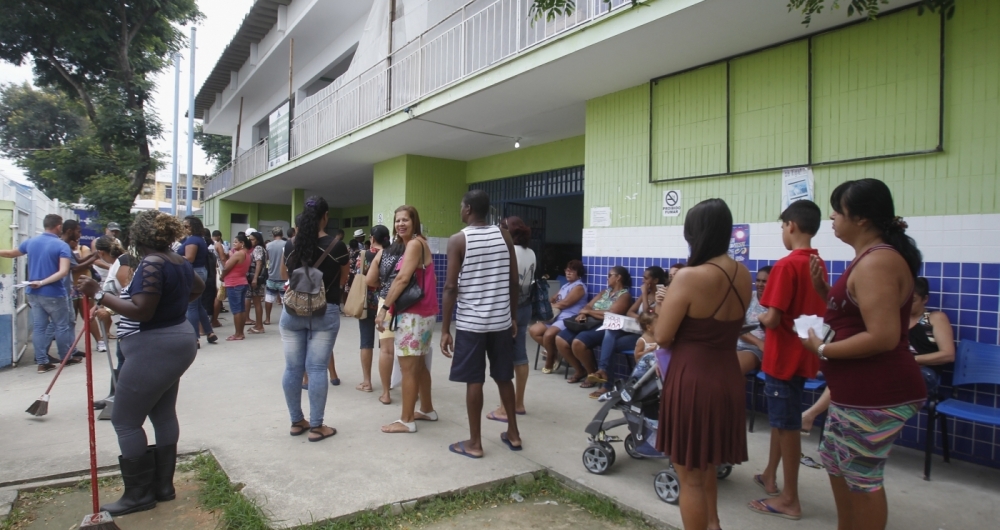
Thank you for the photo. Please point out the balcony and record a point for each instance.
(473, 39)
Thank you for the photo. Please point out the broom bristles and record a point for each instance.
(99, 521)
(40, 407)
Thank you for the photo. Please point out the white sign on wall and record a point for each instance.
(796, 184)
(600, 217)
(671, 203)
(589, 240)
(277, 140)
(380, 219)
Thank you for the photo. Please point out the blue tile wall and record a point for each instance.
(969, 293)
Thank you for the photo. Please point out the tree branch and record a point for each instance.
(80, 90)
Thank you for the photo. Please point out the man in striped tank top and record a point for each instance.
(482, 281)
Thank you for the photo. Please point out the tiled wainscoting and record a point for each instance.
(967, 292)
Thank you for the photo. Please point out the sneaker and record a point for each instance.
(604, 397)
(47, 367)
(101, 346)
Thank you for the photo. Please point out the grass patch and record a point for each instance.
(240, 513)
(22, 513)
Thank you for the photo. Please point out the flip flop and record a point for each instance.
(234, 337)
(410, 428)
(492, 416)
(546, 370)
(301, 430)
(461, 450)
(385, 402)
(319, 431)
(596, 378)
(588, 384)
(503, 438)
(363, 388)
(809, 462)
(520, 413)
(759, 480)
(425, 416)
(255, 331)
(769, 510)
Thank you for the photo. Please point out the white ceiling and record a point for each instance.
(548, 103)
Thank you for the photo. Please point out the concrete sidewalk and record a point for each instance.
(231, 403)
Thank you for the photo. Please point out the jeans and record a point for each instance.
(55, 311)
(308, 343)
(196, 310)
(615, 340)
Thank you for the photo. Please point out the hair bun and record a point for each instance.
(897, 224)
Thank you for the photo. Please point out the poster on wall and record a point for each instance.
(739, 243)
(589, 241)
(277, 139)
(671, 203)
(600, 217)
(796, 184)
(89, 228)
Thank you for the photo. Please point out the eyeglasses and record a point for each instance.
(613, 274)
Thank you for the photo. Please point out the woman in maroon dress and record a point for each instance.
(702, 416)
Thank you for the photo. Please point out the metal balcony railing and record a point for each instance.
(474, 38)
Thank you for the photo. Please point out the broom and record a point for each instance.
(98, 520)
(41, 405)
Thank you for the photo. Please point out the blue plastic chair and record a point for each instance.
(975, 363)
(758, 384)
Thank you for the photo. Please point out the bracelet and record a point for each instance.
(386, 308)
(819, 351)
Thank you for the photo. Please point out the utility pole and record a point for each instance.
(190, 160)
(177, 98)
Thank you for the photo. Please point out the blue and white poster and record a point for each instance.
(90, 229)
(739, 243)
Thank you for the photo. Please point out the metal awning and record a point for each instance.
(262, 17)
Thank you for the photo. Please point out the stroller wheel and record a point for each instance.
(667, 486)
(630, 448)
(723, 471)
(597, 459)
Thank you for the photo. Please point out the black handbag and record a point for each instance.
(574, 325)
(414, 290)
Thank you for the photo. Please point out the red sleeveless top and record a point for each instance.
(884, 380)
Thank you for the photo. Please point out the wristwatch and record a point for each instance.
(819, 351)
(385, 307)
(98, 297)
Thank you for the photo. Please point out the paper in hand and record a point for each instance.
(806, 322)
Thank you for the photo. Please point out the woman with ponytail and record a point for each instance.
(309, 340)
(366, 258)
(875, 383)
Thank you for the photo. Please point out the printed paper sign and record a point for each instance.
(739, 243)
(620, 322)
(277, 141)
(600, 216)
(671, 203)
(589, 240)
(796, 184)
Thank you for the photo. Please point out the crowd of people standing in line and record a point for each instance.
(695, 314)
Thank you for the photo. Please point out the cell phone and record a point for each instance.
(828, 334)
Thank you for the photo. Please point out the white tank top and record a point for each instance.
(484, 282)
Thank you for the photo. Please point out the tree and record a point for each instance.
(102, 54)
(550, 9)
(217, 148)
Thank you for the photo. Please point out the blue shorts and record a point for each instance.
(468, 365)
(237, 296)
(367, 328)
(784, 402)
(590, 338)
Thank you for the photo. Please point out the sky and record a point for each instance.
(222, 20)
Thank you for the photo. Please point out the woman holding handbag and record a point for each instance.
(581, 336)
(412, 297)
(366, 325)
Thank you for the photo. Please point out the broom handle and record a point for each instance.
(90, 409)
(63, 362)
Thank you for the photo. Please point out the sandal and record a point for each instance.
(234, 337)
(588, 384)
(385, 402)
(546, 370)
(298, 429)
(364, 387)
(213, 338)
(597, 377)
(576, 379)
(410, 427)
(319, 431)
(595, 394)
(253, 331)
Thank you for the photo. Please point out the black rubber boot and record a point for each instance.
(139, 475)
(166, 461)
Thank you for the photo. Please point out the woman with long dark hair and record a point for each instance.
(414, 325)
(702, 416)
(378, 278)
(309, 340)
(875, 383)
(256, 277)
(159, 347)
(365, 262)
(195, 250)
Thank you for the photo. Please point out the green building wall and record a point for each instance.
(961, 179)
(434, 186)
(532, 159)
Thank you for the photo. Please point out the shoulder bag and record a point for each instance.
(356, 305)
(306, 294)
(414, 290)
(574, 325)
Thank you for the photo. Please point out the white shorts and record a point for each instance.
(271, 296)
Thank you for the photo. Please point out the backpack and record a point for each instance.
(541, 307)
(306, 293)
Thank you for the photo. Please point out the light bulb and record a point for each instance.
(517, 144)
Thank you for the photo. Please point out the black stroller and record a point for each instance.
(638, 399)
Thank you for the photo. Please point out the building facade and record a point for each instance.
(604, 127)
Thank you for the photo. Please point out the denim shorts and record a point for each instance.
(472, 350)
(237, 296)
(367, 328)
(784, 402)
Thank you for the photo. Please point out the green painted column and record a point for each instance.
(434, 186)
(298, 203)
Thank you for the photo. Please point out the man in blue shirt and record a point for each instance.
(48, 263)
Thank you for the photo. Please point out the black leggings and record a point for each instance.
(147, 386)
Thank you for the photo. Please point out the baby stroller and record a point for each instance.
(638, 399)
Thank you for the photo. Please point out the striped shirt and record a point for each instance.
(484, 282)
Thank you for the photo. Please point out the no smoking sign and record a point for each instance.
(671, 203)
